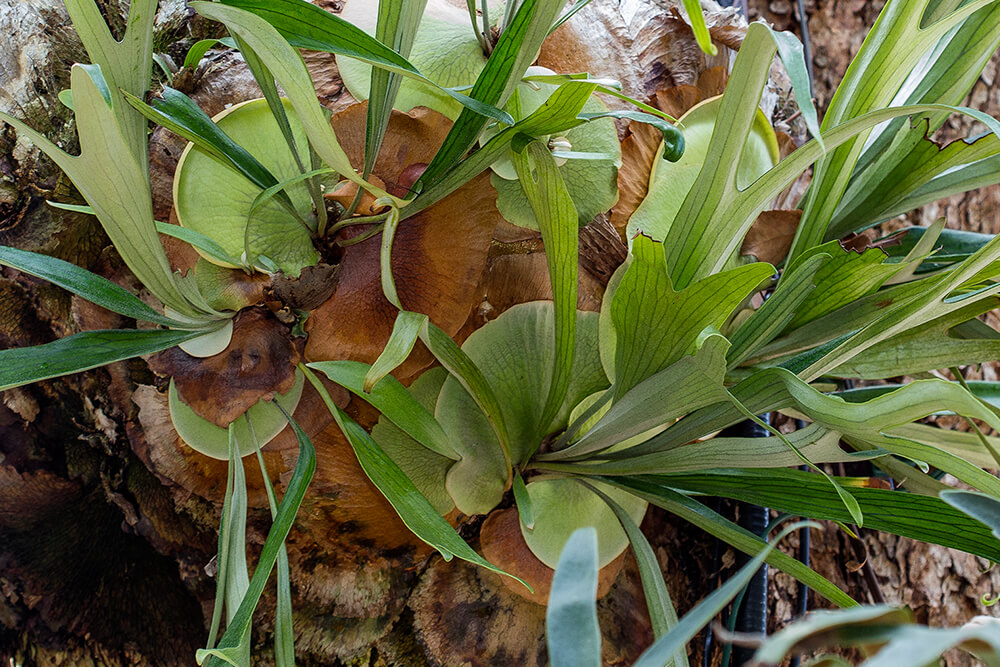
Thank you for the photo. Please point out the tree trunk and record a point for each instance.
(108, 527)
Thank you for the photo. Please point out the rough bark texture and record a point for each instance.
(107, 531)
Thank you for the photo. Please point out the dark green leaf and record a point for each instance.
(951, 245)
(904, 176)
(694, 12)
(198, 240)
(662, 614)
(393, 400)
(284, 636)
(289, 70)
(695, 249)
(557, 219)
(673, 138)
(125, 64)
(740, 538)
(198, 51)
(817, 443)
(927, 347)
(558, 113)
(979, 506)
(844, 278)
(792, 55)
(805, 494)
(892, 49)
(690, 383)
(398, 21)
(525, 508)
(465, 371)
(265, 80)
(655, 325)
(404, 335)
(115, 184)
(514, 52)
(83, 351)
(178, 113)
(774, 314)
(83, 283)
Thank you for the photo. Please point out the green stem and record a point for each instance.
(349, 211)
(350, 222)
(487, 34)
(471, 4)
(317, 196)
(376, 229)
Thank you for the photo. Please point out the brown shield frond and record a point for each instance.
(438, 255)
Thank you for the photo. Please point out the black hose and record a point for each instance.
(806, 44)
(739, 4)
(803, 590)
(804, 537)
(752, 614)
(716, 566)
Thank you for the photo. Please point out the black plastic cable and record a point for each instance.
(739, 4)
(806, 45)
(803, 590)
(752, 614)
(716, 566)
(804, 536)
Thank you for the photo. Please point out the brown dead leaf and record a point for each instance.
(878, 483)
(259, 362)
(786, 145)
(638, 153)
(438, 255)
(310, 290)
(712, 82)
(863, 241)
(770, 236)
(343, 506)
(504, 546)
(677, 100)
(156, 443)
(728, 34)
